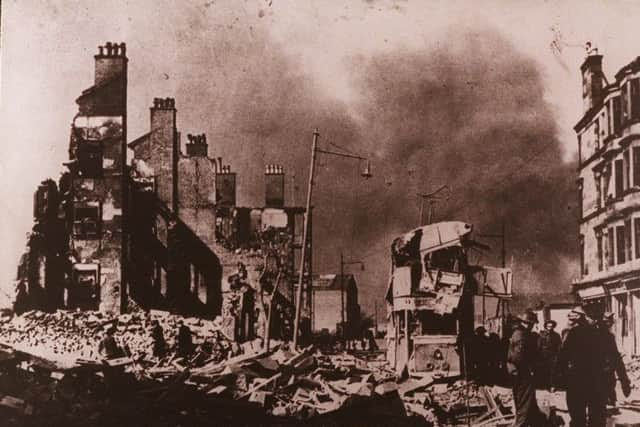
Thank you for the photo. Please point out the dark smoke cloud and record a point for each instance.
(469, 113)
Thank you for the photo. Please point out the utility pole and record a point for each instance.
(305, 236)
(432, 198)
(296, 325)
(342, 325)
(375, 305)
(504, 249)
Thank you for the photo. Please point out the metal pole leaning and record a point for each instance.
(296, 325)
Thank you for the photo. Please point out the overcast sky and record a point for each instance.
(48, 47)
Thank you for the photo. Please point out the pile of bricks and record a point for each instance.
(279, 386)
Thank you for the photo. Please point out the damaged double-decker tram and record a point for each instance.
(436, 299)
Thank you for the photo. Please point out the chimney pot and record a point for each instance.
(100, 50)
(220, 164)
(108, 46)
(123, 49)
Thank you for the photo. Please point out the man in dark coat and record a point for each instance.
(582, 361)
(184, 340)
(521, 359)
(549, 343)
(614, 366)
(157, 336)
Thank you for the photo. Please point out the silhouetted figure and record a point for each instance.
(21, 304)
(184, 340)
(157, 337)
(615, 366)
(549, 343)
(583, 359)
(371, 341)
(520, 366)
(108, 346)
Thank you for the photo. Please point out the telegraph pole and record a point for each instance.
(342, 325)
(376, 316)
(305, 236)
(432, 198)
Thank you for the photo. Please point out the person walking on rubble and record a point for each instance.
(157, 337)
(521, 358)
(108, 346)
(184, 340)
(549, 342)
(584, 370)
(614, 366)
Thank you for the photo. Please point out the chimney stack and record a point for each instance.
(225, 186)
(164, 143)
(197, 145)
(592, 79)
(274, 186)
(110, 61)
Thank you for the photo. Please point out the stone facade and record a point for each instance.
(609, 188)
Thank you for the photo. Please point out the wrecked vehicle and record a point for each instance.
(436, 299)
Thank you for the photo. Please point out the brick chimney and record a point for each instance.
(197, 145)
(165, 149)
(592, 81)
(274, 186)
(225, 186)
(111, 61)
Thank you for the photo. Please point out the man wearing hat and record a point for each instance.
(549, 344)
(582, 361)
(615, 366)
(521, 358)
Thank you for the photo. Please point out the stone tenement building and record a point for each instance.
(163, 231)
(199, 192)
(609, 184)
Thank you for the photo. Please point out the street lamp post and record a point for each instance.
(305, 235)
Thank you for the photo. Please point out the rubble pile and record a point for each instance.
(70, 338)
(51, 368)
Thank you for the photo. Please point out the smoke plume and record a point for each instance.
(469, 113)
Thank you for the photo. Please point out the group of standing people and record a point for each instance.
(584, 361)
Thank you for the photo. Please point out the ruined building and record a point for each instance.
(162, 232)
(609, 185)
(218, 246)
(76, 251)
(335, 304)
